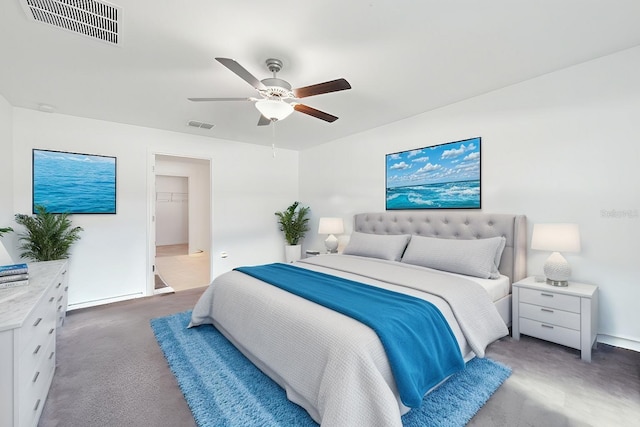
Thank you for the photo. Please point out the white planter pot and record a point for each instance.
(292, 253)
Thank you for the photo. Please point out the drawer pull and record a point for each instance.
(51, 355)
(546, 295)
(64, 272)
(66, 288)
(35, 408)
(35, 377)
(546, 310)
(546, 326)
(60, 298)
(37, 322)
(37, 349)
(58, 285)
(51, 331)
(51, 299)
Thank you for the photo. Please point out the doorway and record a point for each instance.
(181, 226)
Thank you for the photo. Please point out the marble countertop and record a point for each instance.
(17, 303)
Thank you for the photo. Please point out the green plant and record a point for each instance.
(5, 230)
(294, 223)
(48, 236)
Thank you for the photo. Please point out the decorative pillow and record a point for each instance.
(384, 246)
(479, 258)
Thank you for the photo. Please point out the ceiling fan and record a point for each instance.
(278, 98)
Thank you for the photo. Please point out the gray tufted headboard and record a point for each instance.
(457, 225)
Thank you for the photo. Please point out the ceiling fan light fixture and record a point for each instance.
(274, 110)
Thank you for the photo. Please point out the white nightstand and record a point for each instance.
(563, 315)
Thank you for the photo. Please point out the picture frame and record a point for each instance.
(74, 183)
(443, 176)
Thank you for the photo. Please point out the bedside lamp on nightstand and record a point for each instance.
(556, 238)
(331, 226)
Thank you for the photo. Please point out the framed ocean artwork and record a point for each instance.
(74, 183)
(445, 176)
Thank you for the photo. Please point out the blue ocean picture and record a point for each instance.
(445, 176)
(74, 183)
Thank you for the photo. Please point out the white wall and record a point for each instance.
(198, 174)
(560, 148)
(111, 260)
(172, 210)
(6, 172)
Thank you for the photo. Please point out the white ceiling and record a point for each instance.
(402, 58)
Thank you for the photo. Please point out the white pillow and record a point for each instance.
(384, 246)
(479, 257)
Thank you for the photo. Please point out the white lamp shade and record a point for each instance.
(274, 110)
(556, 237)
(331, 226)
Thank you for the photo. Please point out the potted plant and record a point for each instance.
(48, 236)
(294, 222)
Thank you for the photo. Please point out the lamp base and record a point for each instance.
(557, 270)
(331, 244)
(559, 283)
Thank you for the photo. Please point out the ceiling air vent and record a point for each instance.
(201, 125)
(91, 18)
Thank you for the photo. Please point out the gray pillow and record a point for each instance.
(479, 257)
(383, 246)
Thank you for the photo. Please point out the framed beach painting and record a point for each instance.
(445, 176)
(74, 183)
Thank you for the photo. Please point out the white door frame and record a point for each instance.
(151, 212)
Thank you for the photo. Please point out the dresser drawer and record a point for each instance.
(38, 325)
(34, 361)
(556, 334)
(35, 387)
(551, 316)
(550, 299)
(62, 298)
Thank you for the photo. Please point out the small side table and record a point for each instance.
(563, 315)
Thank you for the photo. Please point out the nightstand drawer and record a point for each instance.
(556, 334)
(550, 299)
(550, 316)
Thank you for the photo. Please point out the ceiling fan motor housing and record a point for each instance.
(277, 88)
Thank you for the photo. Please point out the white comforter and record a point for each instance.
(331, 365)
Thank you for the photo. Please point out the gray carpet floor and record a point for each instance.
(111, 372)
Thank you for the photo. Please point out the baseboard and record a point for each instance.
(86, 304)
(619, 342)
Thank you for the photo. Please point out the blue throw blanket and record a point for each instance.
(420, 346)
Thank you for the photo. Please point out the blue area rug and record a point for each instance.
(223, 388)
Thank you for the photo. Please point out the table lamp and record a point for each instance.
(556, 238)
(331, 226)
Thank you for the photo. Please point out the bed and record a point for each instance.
(336, 367)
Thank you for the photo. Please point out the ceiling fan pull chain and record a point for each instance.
(273, 144)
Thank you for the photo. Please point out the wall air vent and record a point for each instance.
(200, 125)
(91, 18)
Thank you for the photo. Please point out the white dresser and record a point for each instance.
(29, 317)
(563, 315)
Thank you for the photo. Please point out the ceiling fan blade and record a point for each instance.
(315, 113)
(220, 99)
(326, 87)
(241, 72)
(263, 121)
